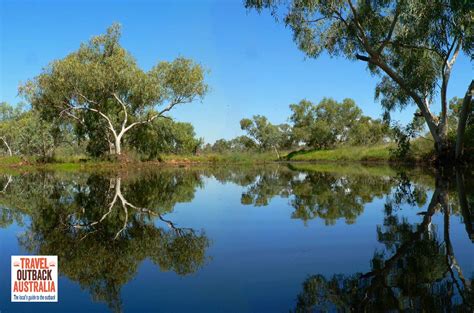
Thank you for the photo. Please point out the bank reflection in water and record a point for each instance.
(103, 226)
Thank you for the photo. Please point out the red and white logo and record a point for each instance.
(34, 278)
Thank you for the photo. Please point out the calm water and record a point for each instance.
(246, 239)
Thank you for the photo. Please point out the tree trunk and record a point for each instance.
(6, 144)
(277, 153)
(463, 115)
(118, 142)
(444, 151)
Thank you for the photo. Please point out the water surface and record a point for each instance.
(304, 238)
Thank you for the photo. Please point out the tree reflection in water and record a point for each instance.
(103, 226)
(318, 194)
(415, 272)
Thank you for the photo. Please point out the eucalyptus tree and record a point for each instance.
(456, 105)
(369, 131)
(165, 136)
(330, 123)
(242, 143)
(411, 45)
(266, 135)
(220, 146)
(101, 88)
(38, 137)
(24, 132)
(8, 117)
(327, 124)
(237, 144)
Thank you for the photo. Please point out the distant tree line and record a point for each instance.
(331, 124)
(326, 125)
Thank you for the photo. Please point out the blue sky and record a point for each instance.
(255, 67)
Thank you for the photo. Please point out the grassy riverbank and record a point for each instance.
(74, 163)
(421, 152)
(377, 154)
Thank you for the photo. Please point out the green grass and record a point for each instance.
(421, 151)
(238, 158)
(10, 160)
(17, 164)
(375, 153)
(82, 163)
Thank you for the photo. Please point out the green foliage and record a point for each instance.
(27, 134)
(9, 133)
(243, 144)
(330, 124)
(412, 37)
(9, 113)
(101, 90)
(164, 136)
(455, 105)
(266, 135)
(368, 131)
(239, 144)
(353, 154)
(403, 136)
(220, 146)
(37, 137)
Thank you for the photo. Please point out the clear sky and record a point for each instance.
(255, 67)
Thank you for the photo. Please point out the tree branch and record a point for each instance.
(317, 20)
(124, 108)
(363, 37)
(390, 32)
(414, 47)
(445, 75)
(363, 58)
(159, 114)
(421, 103)
(6, 144)
(111, 126)
(7, 183)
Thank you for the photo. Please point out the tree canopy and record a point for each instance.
(266, 135)
(102, 90)
(165, 136)
(331, 123)
(24, 132)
